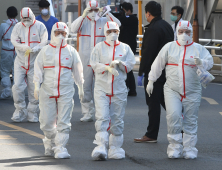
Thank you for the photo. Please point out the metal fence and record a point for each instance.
(207, 46)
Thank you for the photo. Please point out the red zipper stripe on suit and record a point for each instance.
(184, 87)
(94, 33)
(60, 50)
(29, 46)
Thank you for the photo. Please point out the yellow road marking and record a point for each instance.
(21, 143)
(30, 132)
(6, 137)
(220, 113)
(209, 100)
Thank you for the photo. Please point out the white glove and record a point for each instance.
(85, 12)
(112, 70)
(114, 63)
(101, 9)
(149, 88)
(197, 61)
(27, 52)
(35, 49)
(81, 92)
(36, 91)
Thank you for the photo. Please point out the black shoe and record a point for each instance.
(132, 94)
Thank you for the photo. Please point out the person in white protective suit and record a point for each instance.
(56, 68)
(182, 89)
(90, 32)
(7, 52)
(28, 37)
(111, 60)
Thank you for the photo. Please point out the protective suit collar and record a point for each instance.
(56, 41)
(184, 39)
(114, 43)
(27, 12)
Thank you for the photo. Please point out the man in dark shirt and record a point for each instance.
(156, 35)
(176, 17)
(128, 33)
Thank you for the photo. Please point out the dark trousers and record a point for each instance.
(130, 82)
(154, 103)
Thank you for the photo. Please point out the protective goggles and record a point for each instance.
(112, 31)
(95, 10)
(184, 31)
(60, 32)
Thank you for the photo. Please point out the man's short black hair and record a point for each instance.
(154, 8)
(12, 12)
(44, 4)
(128, 6)
(179, 10)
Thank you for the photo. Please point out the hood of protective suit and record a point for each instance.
(59, 40)
(11, 21)
(93, 5)
(184, 39)
(112, 38)
(27, 12)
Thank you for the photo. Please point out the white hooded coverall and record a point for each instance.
(110, 94)
(7, 56)
(57, 66)
(90, 32)
(25, 36)
(182, 91)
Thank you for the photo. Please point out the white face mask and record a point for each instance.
(27, 23)
(59, 39)
(111, 38)
(184, 39)
(92, 15)
(45, 12)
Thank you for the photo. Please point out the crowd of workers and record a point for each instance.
(36, 51)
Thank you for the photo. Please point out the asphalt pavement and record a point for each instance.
(21, 146)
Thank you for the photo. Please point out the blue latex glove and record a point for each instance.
(139, 80)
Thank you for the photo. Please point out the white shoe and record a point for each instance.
(48, 144)
(87, 118)
(61, 153)
(115, 150)
(19, 115)
(99, 153)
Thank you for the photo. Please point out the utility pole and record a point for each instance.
(195, 22)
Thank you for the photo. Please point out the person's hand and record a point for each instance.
(139, 80)
(35, 49)
(85, 12)
(27, 52)
(112, 70)
(149, 88)
(197, 61)
(81, 92)
(114, 63)
(36, 91)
